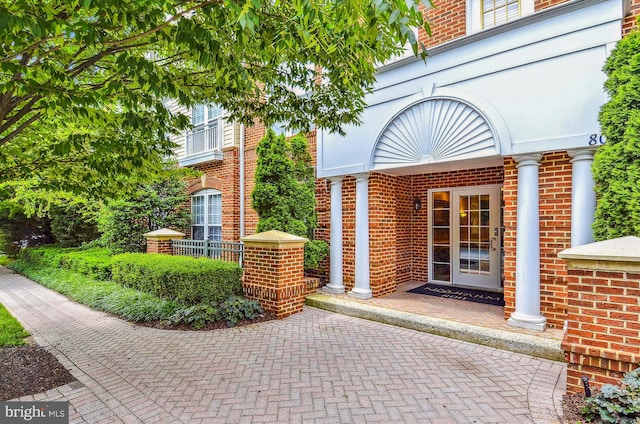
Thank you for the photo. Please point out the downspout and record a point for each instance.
(241, 153)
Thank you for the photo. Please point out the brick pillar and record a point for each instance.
(602, 340)
(159, 241)
(274, 271)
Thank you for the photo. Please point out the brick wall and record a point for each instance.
(603, 338)
(224, 176)
(447, 20)
(630, 21)
(252, 135)
(554, 177)
(544, 4)
(156, 245)
(274, 276)
(420, 185)
(398, 235)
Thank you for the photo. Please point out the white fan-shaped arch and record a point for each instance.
(434, 130)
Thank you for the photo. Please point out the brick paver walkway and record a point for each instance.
(315, 366)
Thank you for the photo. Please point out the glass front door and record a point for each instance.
(465, 237)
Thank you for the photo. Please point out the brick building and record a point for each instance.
(471, 169)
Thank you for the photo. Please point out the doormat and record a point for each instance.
(460, 293)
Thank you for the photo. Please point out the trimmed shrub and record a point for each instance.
(95, 262)
(103, 295)
(179, 278)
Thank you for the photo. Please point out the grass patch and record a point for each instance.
(5, 260)
(11, 332)
(106, 296)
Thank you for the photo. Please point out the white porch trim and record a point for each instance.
(527, 312)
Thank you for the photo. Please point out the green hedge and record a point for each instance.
(179, 278)
(95, 262)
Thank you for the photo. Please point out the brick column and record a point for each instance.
(159, 241)
(274, 271)
(602, 340)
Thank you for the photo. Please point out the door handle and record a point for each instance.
(491, 246)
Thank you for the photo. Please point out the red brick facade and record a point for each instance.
(274, 275)
(603, 338)
(554, 179)
(398, 233)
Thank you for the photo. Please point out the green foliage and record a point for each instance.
(105, 296)
(71, 226)
(232, 310)
(183, 279)
(11, 332)
(616, 166)
(50, 215)
(5, 260)
(87, 79)
(616, 404)
(314, 253)
(93, 262)
(154, 206)
(284, 192)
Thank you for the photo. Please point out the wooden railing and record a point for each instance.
(221, 250)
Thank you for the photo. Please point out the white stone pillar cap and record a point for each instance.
(620, 254)
(164, 234)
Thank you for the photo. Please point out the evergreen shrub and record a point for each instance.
(95, 262)
(179, 278)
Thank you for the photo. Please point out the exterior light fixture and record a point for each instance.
(417, 204)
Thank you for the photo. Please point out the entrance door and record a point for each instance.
(465, 237)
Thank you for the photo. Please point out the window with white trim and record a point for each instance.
(206, 134)
(484, 14)
(206, 215)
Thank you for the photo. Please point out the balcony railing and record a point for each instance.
(221, 250)
(203, 140)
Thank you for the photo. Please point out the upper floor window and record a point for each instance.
(206, 215)
(207, 129)
(280, 128)
(496, 12)
(484, 14)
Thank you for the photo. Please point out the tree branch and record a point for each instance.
(13, 134)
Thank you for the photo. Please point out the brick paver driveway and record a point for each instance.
(315, 366)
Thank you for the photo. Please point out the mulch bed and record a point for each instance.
(29, 369)
(571, 405)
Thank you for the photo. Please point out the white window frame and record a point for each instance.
(206, 212)
(207, 134)
(474, 14)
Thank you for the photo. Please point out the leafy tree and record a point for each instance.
(616, 166)
(83, 83)
(284, 192)
(154, 206)
(73, 224)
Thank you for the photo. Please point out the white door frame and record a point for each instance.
(485, 280)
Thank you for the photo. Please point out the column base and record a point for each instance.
(360, 293)
(333, 288)
(530, 322)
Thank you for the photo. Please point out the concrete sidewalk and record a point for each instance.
(315, 366)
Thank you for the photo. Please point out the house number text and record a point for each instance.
(595, 139)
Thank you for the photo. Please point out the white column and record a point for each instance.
(583, 197)
(527, 313)
(362, 289)
(335, 253)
